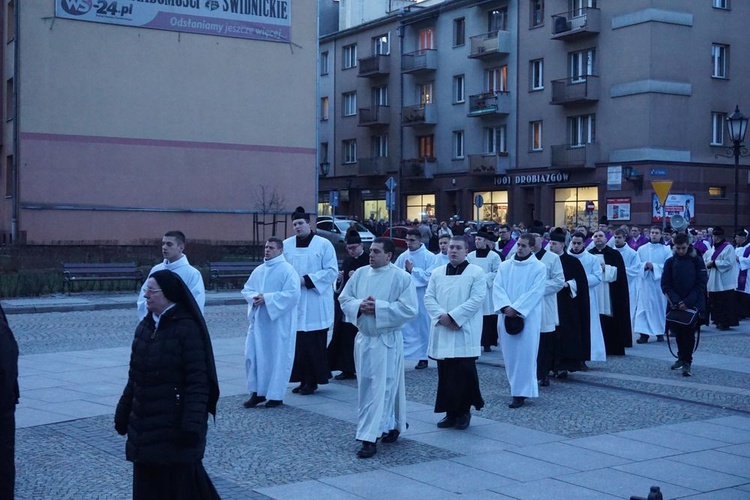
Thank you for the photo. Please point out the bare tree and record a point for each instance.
(268, 200)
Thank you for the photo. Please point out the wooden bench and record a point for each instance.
(230, 271)
(75, 272)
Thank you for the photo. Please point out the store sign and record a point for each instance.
(618, 209)
(614, 178)
(532, 179)
(268, 20)
(675, 204)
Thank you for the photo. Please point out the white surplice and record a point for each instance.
(461, 296)
(554, 283)
(190, 276)
(379, 346)
(271, 336)
(489, 265)
(651, 309)
(609, 275)
(520, 285)
(318, 262)
(417, 331)
(632, 268)
(594, 275)
(724, 276)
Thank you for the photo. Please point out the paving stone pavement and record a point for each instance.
(608, 433)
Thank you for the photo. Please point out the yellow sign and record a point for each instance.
(662, 189)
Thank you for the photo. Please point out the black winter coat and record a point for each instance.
(684, 280)
(164, 404)
(8, 366)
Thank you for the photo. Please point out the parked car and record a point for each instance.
(398, 236)
(335, 232)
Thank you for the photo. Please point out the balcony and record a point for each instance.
(419, 115)
(371, 67)
(419, 168)
(490, 103)
(380, 165)
(375, 116)
(567, 157)
(489, 164)
(421, 61)
(575, 24)
(578, 90)
(489, 45)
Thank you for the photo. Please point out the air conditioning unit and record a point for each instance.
(561, 25)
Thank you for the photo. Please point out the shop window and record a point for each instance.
(570, 207)
(420, 207)
(495, 207)
(375, 209)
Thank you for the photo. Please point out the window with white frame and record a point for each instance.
(718, 121)
(721, 4)
(537, 74)
(496, 79)
(535, 132)
(350, 150)
(324, 108)
(424, 91)
(381, 45)
(495, 140)
(581, 64)
(719, 60)
(458, 144)
(577, 6)
(380, 95)
(459, 32)
(379, 146)
(536, 10)
(324, 69)
(350, 103)
(350, 56)
(581, 130)
(459, 89)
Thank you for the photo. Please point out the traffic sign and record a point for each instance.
(662, 190)
(333, 199)
(478, 201)
(590, 206)
(658, 172)
(390, 183)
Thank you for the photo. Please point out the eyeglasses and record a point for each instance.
(153, 290)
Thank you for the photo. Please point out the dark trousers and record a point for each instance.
(310, 366)
(458, 386)
(545, 358)
(723, 308)
(489, 330)
(685, 338)
(172, 482)
(7, 453)
(743, 305)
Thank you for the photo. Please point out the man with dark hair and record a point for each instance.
(379, 299)
(172, 249)
(721, 262)
(506, 243)
(441, 258)
(9, 395)
(742, 249)
(314, 259)
(454, 301)
(489, 261)
(418, 262)
(684, 283)
(594, 277)
(632, 267)
(636, 239)
(649, 314)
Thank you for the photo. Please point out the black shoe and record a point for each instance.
(562, 374)
(298, 389)
(273, 403)
(421, 365)
(544, 382)
(660, 338)
(307, 390)
(368, 450)
(677, 364)
(254, 401)
(391, 436)
(723, 328)
(447, 422)
(584, 366)
(643, 339)
(517, 402)
(487, 348)
(345, 376)
(686, 370)
(463, 421)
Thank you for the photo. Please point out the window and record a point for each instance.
(380, 96)
(581, 130)
(11, 16)
(581, 65)
(350, 150)
(426, 146)
(9, 99)
(719, 59)
(379, 146)
(424, 91)
(536, 135)
(537, 74)
(717, 128)
(350, 103)
(323, 108)
(426, 39)
(323, 152)
(497, 20)
(324, 63)
(459, 31)
(459, 91)
(495, 140)
(375, 209)
(420, 206)
(9, 176)
(717, 192)
(496, 79)
(537, 13)
(721, 4)
(495, 206)
(458, 144)
(570, 206)
(577, 6)
(350, 56)
(381, 45)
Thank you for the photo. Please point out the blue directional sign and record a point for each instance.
(659, 172)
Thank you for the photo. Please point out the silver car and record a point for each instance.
(335, 232)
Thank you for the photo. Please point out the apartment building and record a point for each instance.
(557, 110)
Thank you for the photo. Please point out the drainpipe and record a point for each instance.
(400, 182)
(16, 127)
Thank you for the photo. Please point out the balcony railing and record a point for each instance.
(490, 103)
(380, 165)
(576, 23)
(565, 156)
(581, 89)
(375, 116)
(494, 43)
(419, 115)
(420, 61)
(489, 163)
(419, 168)
(378, 65)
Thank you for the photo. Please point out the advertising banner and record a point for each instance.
(268, 20)
(682, 204)
(618, 209)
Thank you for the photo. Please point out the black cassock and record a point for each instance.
(617, 330)
(573, 336)
(341, 347)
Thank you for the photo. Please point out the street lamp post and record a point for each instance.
(737, 127)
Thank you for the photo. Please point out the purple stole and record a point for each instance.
(719, 249)
(742, 280)
(545, 243)
(507, 248)
(700, 246)
(636, 244)
(587, 242)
